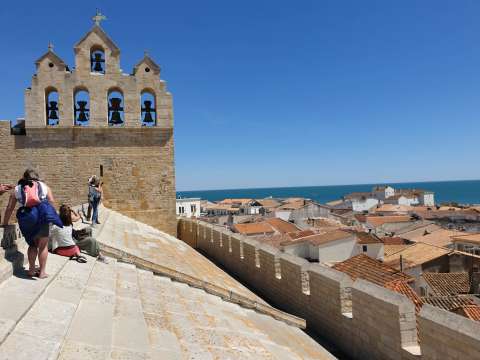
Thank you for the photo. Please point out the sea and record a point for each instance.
(461, 191)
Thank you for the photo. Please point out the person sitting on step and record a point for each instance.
(81, 238)
(61, 240)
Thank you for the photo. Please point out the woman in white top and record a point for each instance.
(61, 239)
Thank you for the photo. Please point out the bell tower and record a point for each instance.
(95, 119)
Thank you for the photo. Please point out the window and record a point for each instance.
(81, 107)
(116, 114)
(193, 208)
(51, 106)
(148, 108)
(97, 60)
(364, 248)
(422, 291)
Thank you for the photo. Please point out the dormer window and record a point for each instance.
(51, 106)
(97, 60)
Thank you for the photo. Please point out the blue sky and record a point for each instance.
(286, 93)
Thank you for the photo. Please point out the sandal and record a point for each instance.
(79, 258)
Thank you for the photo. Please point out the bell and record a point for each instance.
(82, 110)
(115, 108)
(98, 62)
(148, 111)
(52, 111)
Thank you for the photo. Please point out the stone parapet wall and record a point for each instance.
(363, 320)
(138, 167)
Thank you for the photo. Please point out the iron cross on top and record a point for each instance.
(98, 18)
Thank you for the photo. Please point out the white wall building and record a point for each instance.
(188, 207)
(427, 198)
(363, 204)
(383, 192)
(335, 246)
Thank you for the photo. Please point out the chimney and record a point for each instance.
(401, 263)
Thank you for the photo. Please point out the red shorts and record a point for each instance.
(67, 250)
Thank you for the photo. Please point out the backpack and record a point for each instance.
(31, 194)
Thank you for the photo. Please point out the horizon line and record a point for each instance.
(358, 184)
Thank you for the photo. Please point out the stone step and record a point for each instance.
(90, 333)
(19, 293)
(41, 332)
(130, 335)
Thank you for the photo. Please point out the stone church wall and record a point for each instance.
(361, 319)
(138, 167)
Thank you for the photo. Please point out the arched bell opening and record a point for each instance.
(81, 107)
(97, 60)
(115, 103)
(148, 106)
(51, 107)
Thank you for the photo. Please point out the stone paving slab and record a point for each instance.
(18, 294)
(40, 333)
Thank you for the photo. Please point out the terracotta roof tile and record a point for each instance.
(403, 288)
(380, 220)
(253, 228)
(320, 239)
(394, 208)
(367, 238)
(448, 302)
(414, 255)
(392, 249)
(364, 267)
(300, 234)
(293, 205)
(443, 284)
(440, 237)
(235, 201)
(269, 203)
(282, 226)
(393, 240)
(469, 311)
(472, 238)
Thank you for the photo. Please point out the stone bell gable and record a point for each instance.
(110, 97)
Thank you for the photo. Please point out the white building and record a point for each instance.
(427, 198)
(361, 201)
(335, 246)
(383, 192)
(188, 207)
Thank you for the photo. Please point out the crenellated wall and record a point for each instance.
(363, 320)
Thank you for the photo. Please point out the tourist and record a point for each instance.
(95, 193)
(61, 240)
(81, 238)
(88, 215)
(34, 216)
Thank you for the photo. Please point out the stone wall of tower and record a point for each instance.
(138, 167)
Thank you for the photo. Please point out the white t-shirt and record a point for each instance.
(60, 237)
(43, 186)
